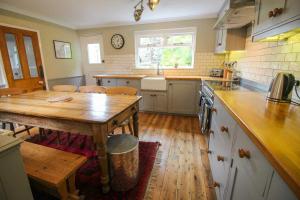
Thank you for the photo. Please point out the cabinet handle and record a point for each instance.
(115, 122)
(214, 110)
(214, 185)
(170, 83)
(271, 14)
(244, 153)
(108, 81)
(220, 44)
(211, 132)
(208, 151)
(220, 158)
(127, 82)
(224, 129)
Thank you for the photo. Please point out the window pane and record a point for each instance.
(180, 39)
(151, 41)
(94, 54)
(30, 56)
(179, 57)
(13, 56)
(149, 56)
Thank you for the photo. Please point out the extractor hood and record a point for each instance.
(235, 14)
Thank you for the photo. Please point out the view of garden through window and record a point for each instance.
(167, 51)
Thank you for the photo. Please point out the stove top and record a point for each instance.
(223, 85)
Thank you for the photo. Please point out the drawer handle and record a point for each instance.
(275, 12)
(211, 132)
(244, 153)
(220, 158)
(208, 151)
(108, 81)
(224, 129)
(170, 83)
(127, 82)
(214, 185)
(214, 110)
(115, 122)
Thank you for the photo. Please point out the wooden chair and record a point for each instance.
(6, 92)
(123, 90)
(59, 88)
(92, 89)
(64, 88)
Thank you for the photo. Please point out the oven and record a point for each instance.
(205, 111)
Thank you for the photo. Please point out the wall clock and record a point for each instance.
(117, 41)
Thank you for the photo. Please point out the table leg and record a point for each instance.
(63, 191)
(100, 139)
(73, 192)
(136, 124)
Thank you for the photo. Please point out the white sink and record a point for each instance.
(154, 83)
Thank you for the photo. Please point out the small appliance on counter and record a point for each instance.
(216, 72)
(281, 87)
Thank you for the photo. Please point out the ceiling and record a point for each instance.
(79, 14)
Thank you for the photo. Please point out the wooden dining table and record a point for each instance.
(91, 114)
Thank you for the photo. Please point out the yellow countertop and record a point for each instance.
(167, 77)
(274, 128)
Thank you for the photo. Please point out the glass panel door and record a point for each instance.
(30, 56)
(14, 56)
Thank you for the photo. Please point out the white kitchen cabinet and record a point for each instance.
(230, 40)
(108, 82)
(269, 25)
(279, 190)
(14, 183)
(154, 101)
(252, 172)
(182, 97)
(129, 83)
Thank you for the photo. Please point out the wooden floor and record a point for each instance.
(182, 169)
(182, 172)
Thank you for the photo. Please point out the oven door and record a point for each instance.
(206, 116)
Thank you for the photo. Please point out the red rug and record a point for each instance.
(88, 176)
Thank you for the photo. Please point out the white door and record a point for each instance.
(92, 56)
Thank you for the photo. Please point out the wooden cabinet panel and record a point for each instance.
(182, 97)
(109, 82)
(147, 101)
(279, 189)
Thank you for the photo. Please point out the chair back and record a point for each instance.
(121, 90)
(64, 88)
(4, 92)
(92, 89)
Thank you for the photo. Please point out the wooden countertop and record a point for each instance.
(167, 77)
(120, 76)
(274, 128)
(84, 107)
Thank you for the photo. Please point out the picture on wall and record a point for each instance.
(62, 49)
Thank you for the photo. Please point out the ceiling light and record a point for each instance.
(139, 8)
(153, 3)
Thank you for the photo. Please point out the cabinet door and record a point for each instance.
(291, 9)
(252, 173)
(182, 97)
(279, 189)
(147, 101)
(109, 82)
(160, 102)
(221, 41)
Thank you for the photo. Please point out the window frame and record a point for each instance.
(165, 33)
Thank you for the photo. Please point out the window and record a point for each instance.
(94, 53)
(167, 48)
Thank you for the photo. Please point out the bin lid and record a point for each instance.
(119, 144)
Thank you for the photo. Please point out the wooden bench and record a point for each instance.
(52, 170)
